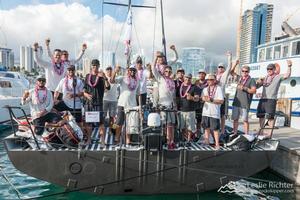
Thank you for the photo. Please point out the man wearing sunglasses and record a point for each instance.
(71, 99)
(242, 100)
(178, 81)
(267, 104)
(40, 101)
(167, 96)
(130, 92)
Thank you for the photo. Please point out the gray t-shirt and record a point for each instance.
(243, 99)
(271, 91)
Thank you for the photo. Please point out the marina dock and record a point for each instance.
(287, 160)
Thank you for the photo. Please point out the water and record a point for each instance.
(30, 187)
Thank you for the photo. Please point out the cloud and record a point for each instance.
(207, 23)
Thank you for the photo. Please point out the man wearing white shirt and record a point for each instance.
(40, 101)
(213, 97)
(54, 70)
(143, 76)
(70, 97)
(129, 88)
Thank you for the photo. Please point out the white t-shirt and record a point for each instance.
(63, 89)
(52, 78)
(36, 107)
(112, 93)
(127, 97)
(166, 96)
(143, 81)
(211, 109)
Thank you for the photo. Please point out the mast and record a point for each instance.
(163, 30)
(128, 56)
(239, 29)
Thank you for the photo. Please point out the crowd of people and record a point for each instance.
(196, 105)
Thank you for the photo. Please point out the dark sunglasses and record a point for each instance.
(168, 71)
(71, 70)
(220, 67)
(42, 80)
(210, 79)
(65, 54)
(245, 71)
(132, 70)
(270, 69)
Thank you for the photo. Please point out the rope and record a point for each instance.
(137, 37)
(154, 30)
(18, 193)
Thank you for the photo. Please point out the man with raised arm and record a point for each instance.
(65, 54)
(267, 104)
(142, 75)
(221, 78)
(167, 95)
(54, 70)
(242, 100)
(213, 97)
(129, 88)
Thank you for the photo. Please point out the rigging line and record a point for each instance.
(154, 30)
(102, 32)
(155, 172)
(137, 37)
(122, 29)
(115, 15)
(18, 193)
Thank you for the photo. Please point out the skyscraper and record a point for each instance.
(255, 30)
(193, 59)
(26, 58)
(6, 57)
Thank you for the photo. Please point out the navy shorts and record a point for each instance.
(211, 123)
(266, 106)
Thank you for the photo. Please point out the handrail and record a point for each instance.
(13, 117)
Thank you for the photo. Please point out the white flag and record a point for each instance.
(127, 32)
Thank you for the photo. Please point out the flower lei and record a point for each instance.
(36, 94)
(211, 93)
(243, 80)
(90, 81)
(186, 92)
(202, 85)
(131, 83)
(67, 85)
(140, 74)
(170, 83)
(58, 67)
(268, 80)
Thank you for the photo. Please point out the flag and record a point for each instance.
(127, 32)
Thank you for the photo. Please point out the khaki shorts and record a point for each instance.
(168, 117)
(187, 121)
(238, 112)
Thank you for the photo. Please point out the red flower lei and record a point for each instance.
(36, 94)
(170, 83)
(268, 82)
(186, 92)
(58, 70)
(211, 93)
(140, 74)
(243, 81)
(131, 83)
(90, 81)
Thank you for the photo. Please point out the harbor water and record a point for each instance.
(13, 181)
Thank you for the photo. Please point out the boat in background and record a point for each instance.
(12, 87)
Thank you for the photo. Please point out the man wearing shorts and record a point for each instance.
(213, 97)
(241, 103)
(188, 94)
(270, 84)
(94, 86)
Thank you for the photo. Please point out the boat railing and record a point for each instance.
(13, 119)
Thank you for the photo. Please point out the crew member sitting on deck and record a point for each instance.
(242, 100)
(40, 101)
(189, 94)
(166, 90)
(129, 88)
(72, 89)
(213, 98)
(267, 103)
(94, 87)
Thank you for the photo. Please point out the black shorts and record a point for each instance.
(266, 106)
(212, 123)
(39, 123)
(120, 116)
(61, 106)
(143, 99)
(99, 108)
(199, 111)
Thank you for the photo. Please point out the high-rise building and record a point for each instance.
(255, 30)
(86, 66)
(6, 57)
(193, 59)
(26, 58)
(109, 59)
